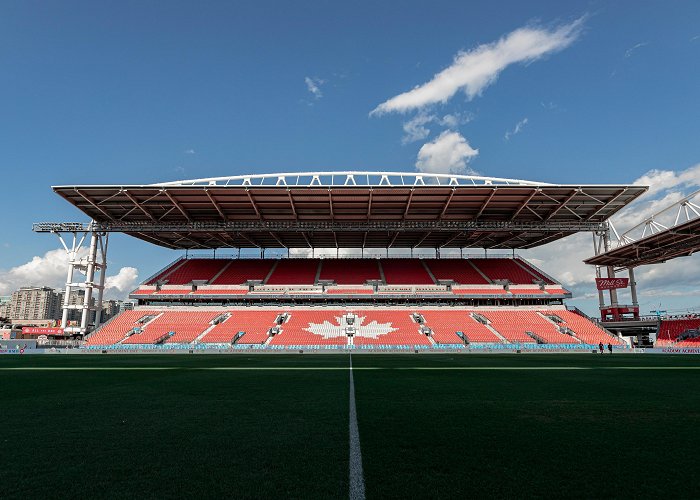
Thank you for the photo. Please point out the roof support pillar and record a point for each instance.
(633, 287)
(94, 262)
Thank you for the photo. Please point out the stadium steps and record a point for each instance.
(161, 340)
(272, 270)
(492, 330)
(381, 271)
(270, 337)
(143, 326)
(420, 324)
(488, 280)
(562, 327)
(213, 325)
(162, 271)
(318, 271)
(220, 272)
(535, 337)
(528, 270)
(427, 270)
(170, 271)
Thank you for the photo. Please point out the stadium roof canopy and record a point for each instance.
(348, 209)
(672, 232)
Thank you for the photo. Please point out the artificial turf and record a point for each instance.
(430, 425)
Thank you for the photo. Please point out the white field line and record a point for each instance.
(336, 368)
(357, 478)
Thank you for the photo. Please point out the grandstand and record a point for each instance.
(449, 299)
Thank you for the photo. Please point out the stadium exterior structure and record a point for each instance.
(336, 210)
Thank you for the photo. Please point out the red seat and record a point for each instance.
(349, 271)
(294, 272)
(405, 272)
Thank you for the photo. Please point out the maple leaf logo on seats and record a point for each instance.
(329, 330)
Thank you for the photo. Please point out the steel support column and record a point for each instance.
(633, 287)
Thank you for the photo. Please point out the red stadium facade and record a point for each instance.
(455, 299)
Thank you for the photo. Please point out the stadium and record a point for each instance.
(493, 300)
(347, 250)
(348, 362)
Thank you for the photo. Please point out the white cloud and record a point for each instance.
(124, 281)
(448, 153)
(453, 120)
(51, 270)
(190, 151)
(631, 50)
(516, 130)
(415, 129)
(660, 180)
(313, 85)
(474, 70)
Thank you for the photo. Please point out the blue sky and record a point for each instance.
(128, 92)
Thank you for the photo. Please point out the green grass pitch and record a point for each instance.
(430, 426)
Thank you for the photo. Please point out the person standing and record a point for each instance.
(600, 346)
(610, 347)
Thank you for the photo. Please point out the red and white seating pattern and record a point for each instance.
(373, 326)
(373, 321)
(296, 330)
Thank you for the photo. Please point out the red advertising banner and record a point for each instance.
(611, 283)
(36, 330)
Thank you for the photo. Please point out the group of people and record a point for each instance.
(602, 347)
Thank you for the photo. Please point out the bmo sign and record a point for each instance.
(611, 283)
